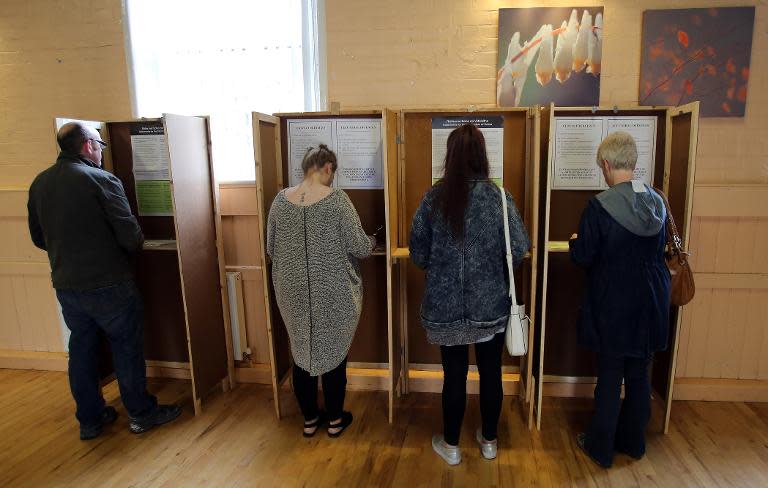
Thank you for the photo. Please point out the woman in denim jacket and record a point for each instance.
(457, 237)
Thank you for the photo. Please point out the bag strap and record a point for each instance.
(508, 244)
(673, 237)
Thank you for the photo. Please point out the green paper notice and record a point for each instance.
(154, 197)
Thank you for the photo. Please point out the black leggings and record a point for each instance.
(334, 388)
(455, 367)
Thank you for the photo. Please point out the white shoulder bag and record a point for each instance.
(516, 336)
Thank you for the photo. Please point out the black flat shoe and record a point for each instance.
(580, 440)
(322, 419)
(634, 456)
(346, 419)
(108, 416)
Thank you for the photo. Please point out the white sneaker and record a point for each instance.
(451, 455)
(487, 448)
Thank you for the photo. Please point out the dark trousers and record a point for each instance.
(117, 312)
(334, 389)
(455, 368)
(619, 425)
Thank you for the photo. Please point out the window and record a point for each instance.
(225, 59)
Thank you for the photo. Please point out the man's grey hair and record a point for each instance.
(619, 150)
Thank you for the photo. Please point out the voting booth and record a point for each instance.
(512, 141)
(165, 167)
(364, 141)
(666, 139)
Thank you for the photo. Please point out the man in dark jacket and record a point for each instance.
(625, 313)
(80, 215)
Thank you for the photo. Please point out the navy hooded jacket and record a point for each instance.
(620, 243)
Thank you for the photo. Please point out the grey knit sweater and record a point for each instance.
(316, 276)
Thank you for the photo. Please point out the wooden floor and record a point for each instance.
(238, 442)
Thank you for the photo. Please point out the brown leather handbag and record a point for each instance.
(683, 288)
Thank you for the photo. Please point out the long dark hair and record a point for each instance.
(465, 160)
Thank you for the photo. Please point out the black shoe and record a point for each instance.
(322, 419)
(88, 432)
(580, 441)
(626, 452)
(162, 415)
(346, 419)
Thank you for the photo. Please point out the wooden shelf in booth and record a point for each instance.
(405, 253)
(558, 246)
(160, 245)
(401, 253)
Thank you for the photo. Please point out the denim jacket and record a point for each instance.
(467, 291)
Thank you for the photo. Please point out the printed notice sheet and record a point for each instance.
(151, 169)
(575, 149)
(643, 130)
(358, 149)
(356, 142)
(303, 134)
(575, 163)
(493, 130)
(150, 153)
(154, 198)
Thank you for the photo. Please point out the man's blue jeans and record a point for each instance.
(117, 311)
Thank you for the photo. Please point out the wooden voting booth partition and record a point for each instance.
(410, 176)
(180, 271)
(563, 368)
(373, 360)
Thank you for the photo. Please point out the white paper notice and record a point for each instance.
(439, 148)
(575, 152)
(150, 153)
(303, 134)
(643, 130)
(356, 142)
(492, 128)
(359, 153)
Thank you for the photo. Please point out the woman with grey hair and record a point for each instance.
(315, 238)
(624, 316)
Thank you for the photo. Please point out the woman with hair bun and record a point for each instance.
(315, 238)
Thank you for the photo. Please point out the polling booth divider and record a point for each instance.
(390, 351)
(374, 357)
(512, 139)
(165, 167)
(667, 139)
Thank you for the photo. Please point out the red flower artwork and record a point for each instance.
(697, 54)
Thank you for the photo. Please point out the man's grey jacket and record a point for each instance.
(79, 214)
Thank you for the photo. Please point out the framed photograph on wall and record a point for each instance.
(549, 55)
(697, 54)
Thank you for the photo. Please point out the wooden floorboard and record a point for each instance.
(237, 441)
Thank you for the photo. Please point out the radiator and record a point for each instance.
(240, 347)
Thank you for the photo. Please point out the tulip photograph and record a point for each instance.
(697, 54)
(549, 55)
